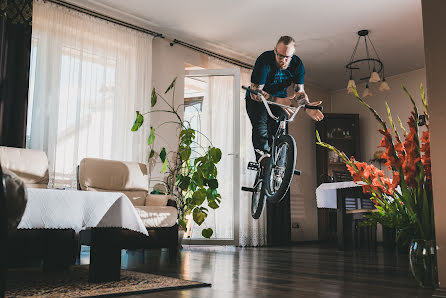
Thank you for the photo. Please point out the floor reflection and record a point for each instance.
(306, 270)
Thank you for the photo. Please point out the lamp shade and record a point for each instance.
(384, 86)
(367, 92)
(374, 77)
(351, 84)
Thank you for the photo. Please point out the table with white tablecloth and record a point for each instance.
(78, 210)
(326, 193)
(332, 219)
(103, 216)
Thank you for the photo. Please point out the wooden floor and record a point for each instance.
(304, 270)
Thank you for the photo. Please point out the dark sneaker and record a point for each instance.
(264, 161)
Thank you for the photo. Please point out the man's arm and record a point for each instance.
(302, 98)
(259, 88)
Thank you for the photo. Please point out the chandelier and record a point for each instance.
(373, 63)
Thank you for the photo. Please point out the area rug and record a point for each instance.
(74, 283)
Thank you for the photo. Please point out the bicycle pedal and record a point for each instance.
(253, 166)
(297, 172)
(250, 189)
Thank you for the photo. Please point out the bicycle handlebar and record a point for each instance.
(266, 103)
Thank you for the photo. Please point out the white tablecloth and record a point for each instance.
(326, 193)
(78, 210)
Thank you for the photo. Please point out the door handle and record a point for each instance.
(235, 154)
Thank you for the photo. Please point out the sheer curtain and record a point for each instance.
(88, 78)
(252, 232)
(216, 123)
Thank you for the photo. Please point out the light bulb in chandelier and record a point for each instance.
(374, 77)
(367, 91)
(351, 84)
(384, 86)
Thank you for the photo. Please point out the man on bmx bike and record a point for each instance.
(273, 73)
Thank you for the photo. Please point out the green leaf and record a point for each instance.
(182, 224)
(151, 154)
(151, 138)
(184, 184)
(163, 154)
(198, 178)
(211, 194)
(423, 99)
(199, 196)
(215, 154)
(213, 204)
(199, 216)
(164, 167)
(193, 185)
(171, 85)
(153, 98)
(207, 233)
(138, 121)
(213, 183)
(185, 153)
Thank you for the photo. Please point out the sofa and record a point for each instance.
(54, 249)
(28, 164)
(158, 213)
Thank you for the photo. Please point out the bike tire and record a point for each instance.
(276, 193)
(258, 197)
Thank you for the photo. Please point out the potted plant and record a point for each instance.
(191, 172)
(404, 202)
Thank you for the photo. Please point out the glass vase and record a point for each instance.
(423, 262)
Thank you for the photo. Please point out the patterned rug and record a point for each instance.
(31, 282)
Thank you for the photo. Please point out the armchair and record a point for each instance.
(159, 215)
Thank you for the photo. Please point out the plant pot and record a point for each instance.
(423, 262)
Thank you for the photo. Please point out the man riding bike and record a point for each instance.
(274, 71)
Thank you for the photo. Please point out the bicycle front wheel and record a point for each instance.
(258, 196)
(280, 169)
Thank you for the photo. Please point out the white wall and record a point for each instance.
(398, 101)
(434, 23)
(168, 63)
(303, 188)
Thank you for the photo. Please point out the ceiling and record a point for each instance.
(325, 31)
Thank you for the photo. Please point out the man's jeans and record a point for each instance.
(263, 126)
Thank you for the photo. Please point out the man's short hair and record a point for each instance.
(286, 40)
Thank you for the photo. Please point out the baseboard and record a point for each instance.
(306, 242)
(440, 292)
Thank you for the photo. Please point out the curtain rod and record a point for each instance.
(153, 33)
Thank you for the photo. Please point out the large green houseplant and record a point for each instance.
(192, 181)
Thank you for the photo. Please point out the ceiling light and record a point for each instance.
(367, 91)
(369, 65)
(384, 86)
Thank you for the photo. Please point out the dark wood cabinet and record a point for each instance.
(341, 131)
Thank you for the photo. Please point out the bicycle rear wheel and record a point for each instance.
(280, 170)
(258, 196)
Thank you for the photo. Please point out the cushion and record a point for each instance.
(112, 175)
(157, 216)
(157, 200)
(29, 165)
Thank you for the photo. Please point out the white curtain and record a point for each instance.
(88, 78)
(216, 121)
(251, 232)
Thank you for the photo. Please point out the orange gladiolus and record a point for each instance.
(412, 157)
(426, 158)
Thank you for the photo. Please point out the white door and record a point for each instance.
(212, 105)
